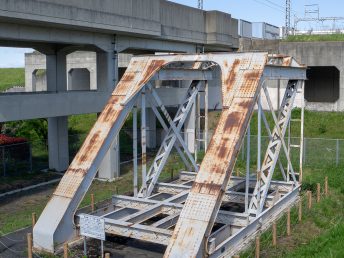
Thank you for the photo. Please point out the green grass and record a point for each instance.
(321, 232)
(309, 38)
(316, 125)
(17, 213)
(11, 77)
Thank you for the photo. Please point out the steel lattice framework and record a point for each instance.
(200, 212)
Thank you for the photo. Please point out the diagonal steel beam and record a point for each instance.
(279, 131)
(174, 128)
(170, 139)
(272, 154)
(166, 129)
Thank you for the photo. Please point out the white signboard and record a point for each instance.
(92, 226)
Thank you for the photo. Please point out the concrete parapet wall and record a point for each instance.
(142, 18)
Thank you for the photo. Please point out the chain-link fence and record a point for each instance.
(33, 156)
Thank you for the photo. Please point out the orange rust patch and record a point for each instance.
(286, 61)
(206, 188)
(128, 77)
(151, 69)
(76, 171)
(229, 81)
(92, 144)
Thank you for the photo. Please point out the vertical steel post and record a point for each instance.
(288, 148)
(198, 124)
(259, 143)
(337, 152)
(206, 108)
(143, 141)
(247, 183)
(85, 247)
(135, 182)
(102, 248)
(302, 131)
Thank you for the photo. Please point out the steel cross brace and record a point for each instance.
(274, 147)
(282, 138)
(166, 129)
(170, 139)
(267, 127)
(154, 97)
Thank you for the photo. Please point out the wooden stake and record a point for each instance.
(274, 234)
(33, 219)
(318, 192)
(257, 247)
(326, 186)
(65, 250)
(288, 223)
(300, 210)
(29, 245)
(92, 202)
(309, 194)
(238, 173)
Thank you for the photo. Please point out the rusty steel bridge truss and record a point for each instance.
(206, 211)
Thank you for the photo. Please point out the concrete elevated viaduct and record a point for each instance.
(107, 28)
(325, 85)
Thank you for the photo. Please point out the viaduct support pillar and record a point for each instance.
(107, 78)
(57, 126)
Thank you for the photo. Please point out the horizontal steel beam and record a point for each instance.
(284, 73)
(137, 231)
(183, 74)
(146, 205)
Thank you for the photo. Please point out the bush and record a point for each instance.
(33, 130)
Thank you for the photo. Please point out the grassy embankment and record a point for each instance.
(10, 77)
(310, 38)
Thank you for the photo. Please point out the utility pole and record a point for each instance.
(287, 17)
(200, 4)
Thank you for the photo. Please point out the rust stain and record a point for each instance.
(229, 81)
(286, 61)
(128, 77)
(90, 147)
(151, 69)
(76, 171)
(207, 188)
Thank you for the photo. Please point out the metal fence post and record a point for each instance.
(304, 150)
(337, 152)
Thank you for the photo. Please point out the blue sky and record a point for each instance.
(271, 11)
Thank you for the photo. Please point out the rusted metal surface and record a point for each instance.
(241, 74)
(240, 88)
